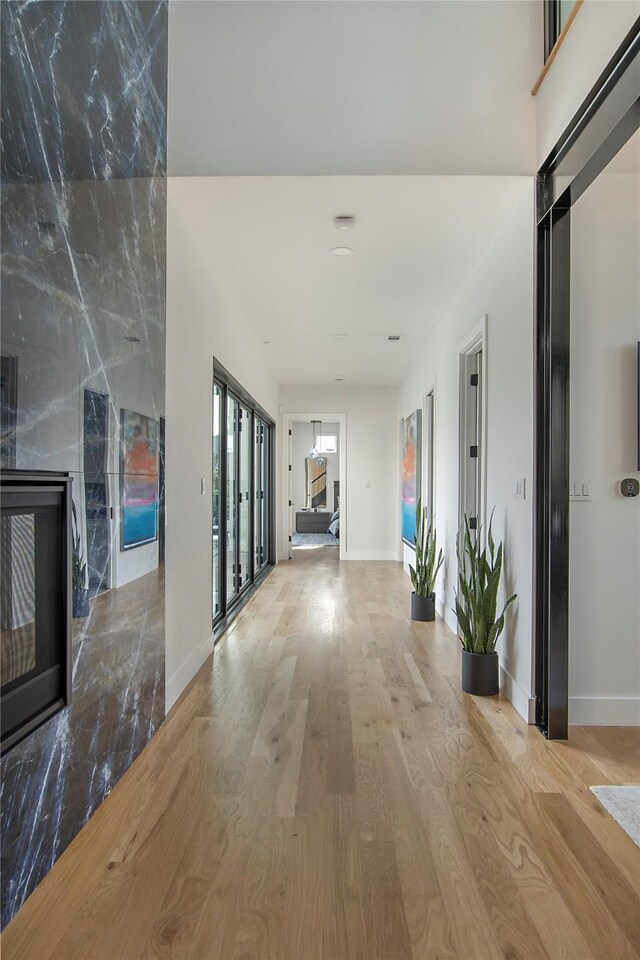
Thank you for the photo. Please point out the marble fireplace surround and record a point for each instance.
(83, 309)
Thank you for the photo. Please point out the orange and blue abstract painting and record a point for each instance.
(138, 479)
(411, 458)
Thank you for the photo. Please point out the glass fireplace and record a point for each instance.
(35, 600)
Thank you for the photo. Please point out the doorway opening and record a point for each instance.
(598, 134)
(314, 518)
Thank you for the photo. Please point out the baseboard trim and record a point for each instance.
(605, 711)
(187, 671)
(370, 555)
(517, 696)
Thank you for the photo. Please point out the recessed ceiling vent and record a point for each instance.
(394, 337)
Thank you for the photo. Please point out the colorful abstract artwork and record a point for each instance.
(138, 479)
(411, 459)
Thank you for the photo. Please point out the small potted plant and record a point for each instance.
(476, 605)
(79, 589)
(423, 575)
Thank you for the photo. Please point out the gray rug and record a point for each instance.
(623, 803)
(314, 540)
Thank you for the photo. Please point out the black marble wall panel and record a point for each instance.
(83, 337)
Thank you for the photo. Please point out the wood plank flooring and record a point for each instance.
(323, 789)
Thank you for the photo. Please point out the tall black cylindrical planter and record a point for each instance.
(423, 608)
(480, 673)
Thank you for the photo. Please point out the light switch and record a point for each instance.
(521, 489)
(580, 490)
(203, 486)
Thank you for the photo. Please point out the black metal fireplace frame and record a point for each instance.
(14, 481)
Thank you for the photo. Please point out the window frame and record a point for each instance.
(232, 390)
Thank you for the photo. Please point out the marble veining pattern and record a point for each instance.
(83, 309)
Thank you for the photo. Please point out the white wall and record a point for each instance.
(500, 287)
(369, 520)
(597, 31)
(604, 634)
(302, 438)
(201, 323)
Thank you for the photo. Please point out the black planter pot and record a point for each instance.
(80, 604)
(480, 674)
(423, 608)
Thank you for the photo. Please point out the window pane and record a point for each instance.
(231, 497)
(564, 9)
(266, 441)
(328, 443)
(245, 496)
(215, 493)
(257, 483)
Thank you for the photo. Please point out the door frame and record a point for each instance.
(475, 341)
(607, 118)
(288, 419)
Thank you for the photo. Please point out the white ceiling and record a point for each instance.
(342, 87)
(416, 241)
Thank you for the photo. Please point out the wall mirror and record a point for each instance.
(315, 476)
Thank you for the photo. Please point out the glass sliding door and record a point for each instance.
(216, 470)
(244, 498)
(241, 493)
(257, 496)
(265, 518)
(231, 498)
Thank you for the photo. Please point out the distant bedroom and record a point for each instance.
(315, 485)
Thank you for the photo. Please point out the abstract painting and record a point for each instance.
(411, 459)
(138, 479)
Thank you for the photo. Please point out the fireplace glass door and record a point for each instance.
(34, 614)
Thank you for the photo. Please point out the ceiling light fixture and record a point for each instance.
(394, 338)
(313, 453)
(339, 379)
(341, 251)
(344, 223)
(341, 336)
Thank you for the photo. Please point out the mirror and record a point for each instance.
(315, 482)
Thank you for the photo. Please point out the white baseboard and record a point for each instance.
(518, 696)
(370, 555)
(513, 691)
(605, 711)
(187, 671)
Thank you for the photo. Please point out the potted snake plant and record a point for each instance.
(423, 575)
(479, 575)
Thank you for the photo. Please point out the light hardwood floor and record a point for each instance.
(324, 790)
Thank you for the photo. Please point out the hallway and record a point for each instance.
(323, 789)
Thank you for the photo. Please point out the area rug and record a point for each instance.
(314, 540)
(623, 803)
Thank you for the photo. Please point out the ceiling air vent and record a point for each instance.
(394, 338)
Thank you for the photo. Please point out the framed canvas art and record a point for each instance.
(411, 479)
(138, 479)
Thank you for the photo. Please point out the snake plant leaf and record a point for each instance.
(479, 575)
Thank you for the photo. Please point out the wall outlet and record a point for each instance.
(521, 489)
(580, 490)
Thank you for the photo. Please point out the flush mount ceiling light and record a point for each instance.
(341, 336)
(341, 251)
(339, 379)
(344, 223)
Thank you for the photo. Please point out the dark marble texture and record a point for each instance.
(83, 309)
